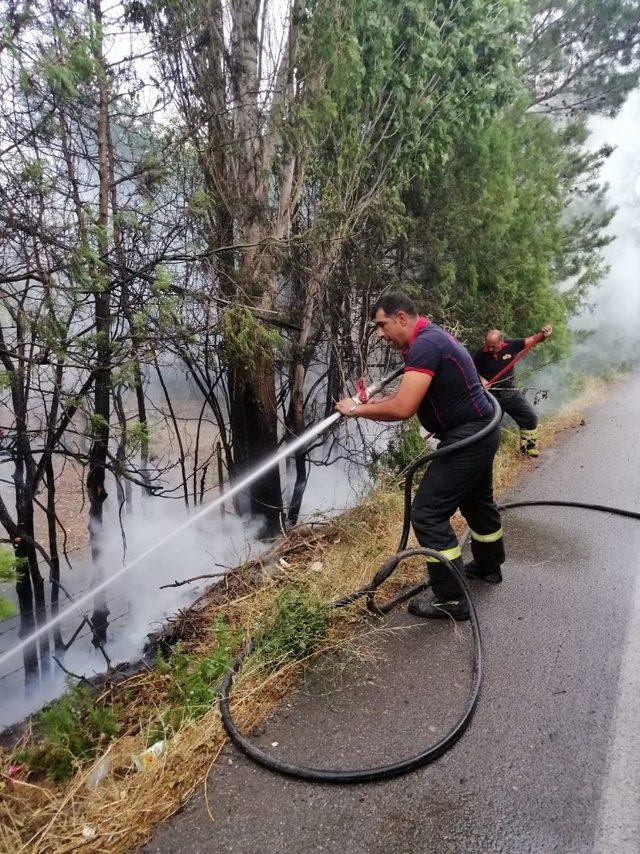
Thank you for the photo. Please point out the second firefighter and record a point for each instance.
(490, 360)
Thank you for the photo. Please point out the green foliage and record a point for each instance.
(153, 171)
(401, 451)
(298, 622)
(74, 730)
(418, 76)
(9, 572)
(87, 269)
(162, 281)
(73, 66)
(60, 79)
(124, 374)
(490, 241)
(245, 340)
(6, 608)
(33, 172)
(200, 203)
(97, 424)
(137, 435)
(194, 682)
(5, 380)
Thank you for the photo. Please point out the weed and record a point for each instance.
(194, 682)
(74, 729)
(299, 621)
(401, 451)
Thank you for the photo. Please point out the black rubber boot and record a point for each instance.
(431, 608)
(490, 574)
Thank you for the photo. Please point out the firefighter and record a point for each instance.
(441, 385)
(490, 360)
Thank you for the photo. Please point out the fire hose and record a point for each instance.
(368, 593)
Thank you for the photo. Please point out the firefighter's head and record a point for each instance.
(395, 316)
(493, 340)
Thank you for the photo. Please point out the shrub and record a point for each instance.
(299, 622)
(74, 730)
(401, 451)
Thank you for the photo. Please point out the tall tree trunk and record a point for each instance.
(142, 418)
(99, 446)
(24, 591)
(29, 556)
(53, 551)
(29, 587)
(254, 427)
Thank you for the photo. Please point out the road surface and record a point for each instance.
(551, 761)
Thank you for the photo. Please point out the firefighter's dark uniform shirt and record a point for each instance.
(455, 395)
(490, 364)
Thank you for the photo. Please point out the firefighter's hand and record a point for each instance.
(347, 407)
(546, 330)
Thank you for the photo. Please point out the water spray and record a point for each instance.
(240, 486)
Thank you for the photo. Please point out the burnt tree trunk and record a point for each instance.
(24, 591)
(316, 282)
(29, 558)
(53, 552)
(102, 397)
(254, 428)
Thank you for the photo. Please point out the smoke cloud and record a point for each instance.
(607, 331)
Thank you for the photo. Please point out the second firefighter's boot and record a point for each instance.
(528, 440)
(432, 608)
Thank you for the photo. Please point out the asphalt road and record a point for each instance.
(551, 761)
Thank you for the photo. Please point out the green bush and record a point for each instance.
(401, 451)
(194, 681)
(9, 566)
(299, 621)
(74, 730)
(247, 341)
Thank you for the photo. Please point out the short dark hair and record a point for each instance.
(394, 302)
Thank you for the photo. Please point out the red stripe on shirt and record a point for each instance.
(437, 414)
(419, 370)
(466, 380)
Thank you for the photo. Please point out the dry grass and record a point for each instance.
(119, 814)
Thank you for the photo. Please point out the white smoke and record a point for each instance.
(617, 300)
(607, 331)
(136, 602)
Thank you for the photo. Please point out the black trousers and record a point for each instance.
(462, 481)
(515, 404)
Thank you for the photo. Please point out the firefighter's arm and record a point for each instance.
(546, 331)
(398, 407)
